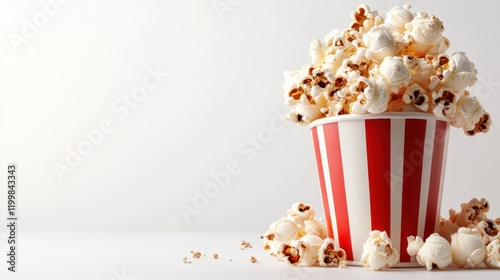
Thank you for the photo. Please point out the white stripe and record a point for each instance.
(355, 166)
(427, 147)
(443, 169)
(396, 177)
(328, 183)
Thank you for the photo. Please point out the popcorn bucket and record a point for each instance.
(380, 172)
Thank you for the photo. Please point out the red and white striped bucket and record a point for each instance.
(380, 172)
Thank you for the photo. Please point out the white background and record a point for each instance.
(224, 88)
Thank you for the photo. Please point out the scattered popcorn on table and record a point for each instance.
(467, 239)
(330, 255)
(378, 252)
(245, 245)
(376, 65)
(468, 249)
(300, 239)
(435, 252)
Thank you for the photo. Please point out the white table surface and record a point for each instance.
(135, 256)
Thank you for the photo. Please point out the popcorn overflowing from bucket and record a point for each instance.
(392, 64)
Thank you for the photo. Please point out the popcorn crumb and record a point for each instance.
(253, 259)
(196, 255)
(244, 245)
(186, 260)
(216, 256)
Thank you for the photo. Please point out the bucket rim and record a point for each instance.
(390, 115)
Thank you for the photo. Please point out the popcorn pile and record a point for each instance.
(301, 239)
(474, 237)
(396, 64)
(467, 239)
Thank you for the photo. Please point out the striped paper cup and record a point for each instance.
(380, 172)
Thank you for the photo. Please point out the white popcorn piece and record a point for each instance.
(303, 251)
(492, 259)
(330, 255)
(471, 116)
(283, 230)
(463, 73)
(290, 253)
(424, 34)
(314, 227)
(300, 212)
(317, 52)
(364, 19)
(372, 97)
(444, 102)
(304, 114)
(468, 249)
(297, 84)
(417, 96)
(310, 245)
(488, 229)
(393, 73)
(378, 252)
(435, 252)
(398, 17)
(380, 43)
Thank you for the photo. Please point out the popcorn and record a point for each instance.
(463, 73)
(398, 17)
(378, 252)
(292, 253)
(329, 255)
(283, 230)
(416, 96)
(492, 259)
(472, 212)
(300, 239)
(300, 212)
(393, 73)
(380, 43)
(372, 97)
(377, 65)
(363, 18)
(468, 249)
(424, 34)
(435, 252)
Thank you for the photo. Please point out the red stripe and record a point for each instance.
(412, 177)
(435, 179)
(321, 176)
(378, 148)
(334, 153)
